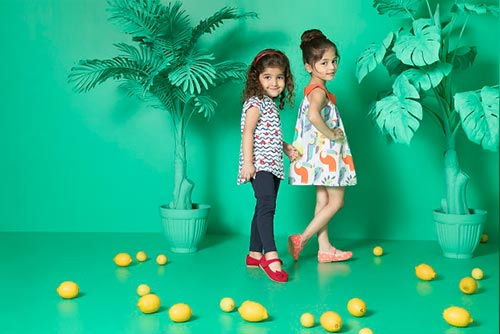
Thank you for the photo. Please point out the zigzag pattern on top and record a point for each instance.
(268, 138)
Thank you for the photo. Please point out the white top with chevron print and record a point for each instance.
(267, 140)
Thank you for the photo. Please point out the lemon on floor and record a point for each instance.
(161, 259)
(68, 289)
(331, 321)
(425, 272)
(468, 285)
(356, 307)
(365, 330)
(253, 311)
(143, 289)
(457, 316)
(227, 304)
(477, 273)
(122, 259)
(141, 256)
(378, 251)
(307, 320)
(149, 303)
(180, 312)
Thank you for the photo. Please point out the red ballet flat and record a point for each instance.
(280, 276)
(252, 262)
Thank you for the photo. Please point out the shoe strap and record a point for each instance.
(266, 263)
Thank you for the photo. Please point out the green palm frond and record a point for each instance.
(137, 17)
(175, 31)
(134, 88)
(195, 74)
(204, 104)
(91, 72)
(210, 24)
(230, 70)
(144, 59)
(405, 8)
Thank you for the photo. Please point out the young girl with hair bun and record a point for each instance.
(325, 159)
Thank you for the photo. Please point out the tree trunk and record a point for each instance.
(183, 187)
(456, 185)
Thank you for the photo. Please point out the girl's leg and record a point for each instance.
(329, 200)
(266, 187)
(255, 241)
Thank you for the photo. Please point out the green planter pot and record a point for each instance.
(459, 235)
(184, 229)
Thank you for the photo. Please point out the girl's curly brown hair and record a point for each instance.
(265, 59)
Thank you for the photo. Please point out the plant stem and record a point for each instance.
(183, 187)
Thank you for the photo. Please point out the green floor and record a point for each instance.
(33, 265)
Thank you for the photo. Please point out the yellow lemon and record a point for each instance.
(149, 303)
(378, 251)
(365, 330)
(141, 256)
(68, 289)
(227, 304)
(484, 238)
(161, 259)
(180, 312)
(457, 316)
(356, 307)
(331, 321)
(143, 289)
(468, 285)
(252, 311)
(122, 259)
(307, 320)
(425, 272)
(477, 273)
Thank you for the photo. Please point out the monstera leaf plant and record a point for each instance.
(423, 56)
(166, 67)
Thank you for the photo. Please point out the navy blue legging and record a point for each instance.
(265, 187)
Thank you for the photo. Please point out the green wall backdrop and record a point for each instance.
(102, 162)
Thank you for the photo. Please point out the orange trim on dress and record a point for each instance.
(330, 96)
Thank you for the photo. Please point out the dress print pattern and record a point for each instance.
(268, 138)
(321, 161)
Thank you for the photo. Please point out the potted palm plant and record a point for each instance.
(167, 68)
(422, 56)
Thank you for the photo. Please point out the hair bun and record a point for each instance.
(310, 35)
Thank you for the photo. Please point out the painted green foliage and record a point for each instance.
(422, 55)
(166, 67)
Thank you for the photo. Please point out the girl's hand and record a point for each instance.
(290, 151)
(248, 172)
(337, 134)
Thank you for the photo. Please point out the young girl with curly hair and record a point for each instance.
(268, 86)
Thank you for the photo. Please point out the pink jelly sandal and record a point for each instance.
(280, 276)
(334, 255)
(252, 262)
(295, 246)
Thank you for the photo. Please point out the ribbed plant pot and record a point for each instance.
(459, 235)
(184, 229)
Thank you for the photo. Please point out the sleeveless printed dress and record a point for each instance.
(321, 161)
